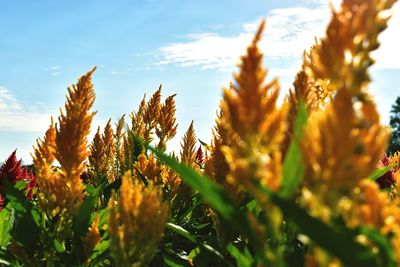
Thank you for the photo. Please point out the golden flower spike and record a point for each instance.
(137, 226)
(167, 126)
(343, 56)
(188, 147)
(138, 125)
(250, 110)
(43, 158)
(119, 149)
(71, 139)
(97, 158)
(109, 150)
(149, 168)
(151, 114)
(343, 143)
(215, 165)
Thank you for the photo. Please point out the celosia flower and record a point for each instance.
(109, 150)
(311, 91)
(369, 206)
(166, 126)
(188, 147)
(215, 165)
(137, 226)
(149, 168)
(388, 179)
(250, 110)
(97, 158)
(343, 56)
(151, 115)
(119, 150)
(13, 171)
(340, 145)
(62, 190)
(138, 125)
(199, 156)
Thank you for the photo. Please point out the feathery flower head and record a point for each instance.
(371, 207)
(249, 109)
(151, 114)
(137, 227)
(138, 125)
(62, 190)
(166, 124)
(13, 171)
(149, 168)
(388, 179)
(109, 152)
(74, 126)
(341, 146)
(343, 56)
(200, 156)
(97, 157)
(188, 147)
(250, 104)
(119, 149)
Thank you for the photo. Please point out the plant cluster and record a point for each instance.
(302, 183)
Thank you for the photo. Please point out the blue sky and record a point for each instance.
(191, 47)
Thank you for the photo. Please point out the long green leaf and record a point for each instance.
(293, 167)
(378, 173)
(241, 259)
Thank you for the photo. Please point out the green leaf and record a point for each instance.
(100, 254)
(20, 185)
(26, 230)
(339, 244)
(60, 248)
(187, 235)
(181, 231)
(242, 260)
(378, 173)
(82, 218)
(293, 167)
(5, 227)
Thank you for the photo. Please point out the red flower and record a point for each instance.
(386, 180)
(200, 156)
(13, 171)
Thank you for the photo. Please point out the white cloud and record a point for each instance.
(16, 117)
(288, 33)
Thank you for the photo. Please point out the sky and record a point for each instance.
(190, 47)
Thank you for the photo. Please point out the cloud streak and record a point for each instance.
(289, 32)
(14, 116)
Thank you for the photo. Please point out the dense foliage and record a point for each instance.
(302, 183)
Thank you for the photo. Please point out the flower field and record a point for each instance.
(299, 182)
